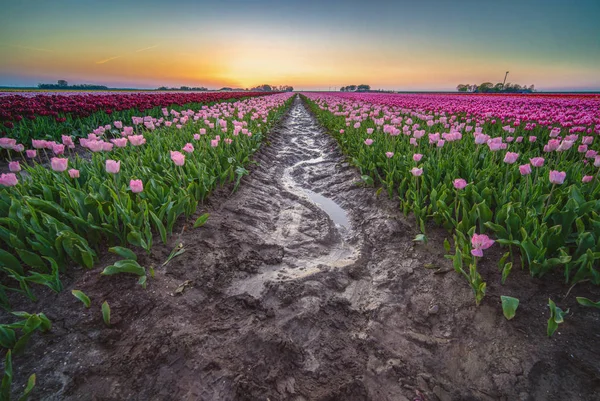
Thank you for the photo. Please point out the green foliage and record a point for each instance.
(200, 221)
(106, 313)
(509, 306)
(556, 317)
(80, 295)
(588, 302)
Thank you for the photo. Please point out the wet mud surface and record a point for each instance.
(305, 286)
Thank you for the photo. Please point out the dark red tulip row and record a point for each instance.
(14, 108)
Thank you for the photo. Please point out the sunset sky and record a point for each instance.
(309, 44)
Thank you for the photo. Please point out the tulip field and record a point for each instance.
(272, 279)
(129, 180)
(27, 116)
(516, 172)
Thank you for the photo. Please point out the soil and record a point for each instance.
(305, 286)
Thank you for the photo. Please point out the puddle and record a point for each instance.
(335, 211)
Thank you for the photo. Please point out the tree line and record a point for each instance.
(488, 87)
(355, 88)
(62, 84)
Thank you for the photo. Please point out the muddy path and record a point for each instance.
(306, 286)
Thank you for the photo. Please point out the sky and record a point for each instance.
(308, 44)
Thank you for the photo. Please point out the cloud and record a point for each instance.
(147, 48)
(37, 49)
(107, 60)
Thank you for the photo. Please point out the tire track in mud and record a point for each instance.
(305, 287)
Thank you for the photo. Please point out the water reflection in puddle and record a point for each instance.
(335, 212)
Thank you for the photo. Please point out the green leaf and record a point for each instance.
(124, 266)
(7, 378)
(31, 259)
(159, 226)
(509, 306)
(447, 245)
(28, 388)
(8, 260)
(588, 302)
(21, 343)
(106, 313)
(368, 180)
(7, 337)
(32, 323)
(135, 238)
(125, 253)
(420, 238)
(556, 317)
(201, 220)
(80, 295)
(506, 271)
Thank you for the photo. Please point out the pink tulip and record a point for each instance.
(8, 180)
(416, 171)
(214, 143)
(59, 164)
(31, 153)
(511, 157)
(119, 142)
(369, 131)
(107, 146)
(14, 167)
(525, 169)
(587, 178)
(188, 148)
(137, 140)
(7, 143)
(587, 140)
(74, 173)
(113, 166)
(178, 158)
(196, 137)
(597, 161)
(537, 161)
(58, 149)
(136, 186)
(68, 141)
(228, 141)
(389, 155)
(417, 157)
(202, 131)
(532, 138)
(368, 142)
(557, 177)
(460, 183)
(480, 242)
(38, 143)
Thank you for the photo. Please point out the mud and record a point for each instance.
(307, 286)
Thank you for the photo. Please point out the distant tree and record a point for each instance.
(485, 87)
(351, 88)
(163, 88)
(62, 83)
(462, 88)
(363, 88)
